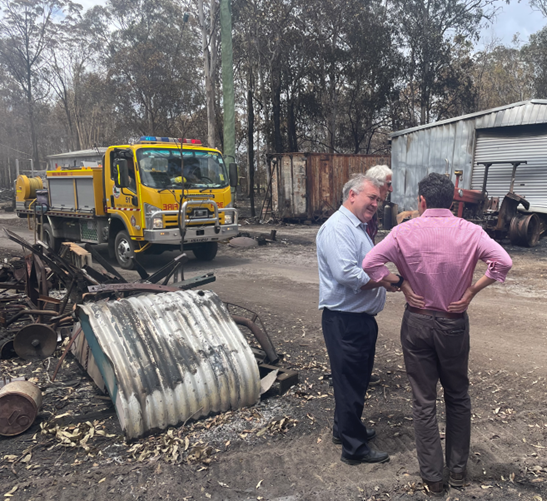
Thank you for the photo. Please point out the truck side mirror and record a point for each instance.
(233, 175)
(122, 173)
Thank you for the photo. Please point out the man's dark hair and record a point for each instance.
(438, 191)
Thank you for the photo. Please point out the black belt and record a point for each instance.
(435, 313)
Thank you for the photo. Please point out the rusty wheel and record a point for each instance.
(35, 341)
(524, 230)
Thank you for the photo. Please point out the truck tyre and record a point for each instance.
(124, 250)
(53, 243)
(206, 251)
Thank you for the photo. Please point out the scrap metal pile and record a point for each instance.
(163, 353)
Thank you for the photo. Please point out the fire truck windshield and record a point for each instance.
(162, 169)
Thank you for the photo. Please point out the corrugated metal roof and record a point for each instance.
(169, 357)
(521, 113)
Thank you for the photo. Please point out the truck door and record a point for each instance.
(124, 201)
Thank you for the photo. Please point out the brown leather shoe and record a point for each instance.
(434, 488)
(456, 479)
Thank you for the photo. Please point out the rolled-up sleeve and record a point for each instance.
(343, 260)
(375, 261)
(494, 255)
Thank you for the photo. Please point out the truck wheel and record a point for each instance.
(124, 250)
(206, 251)
(53, 243)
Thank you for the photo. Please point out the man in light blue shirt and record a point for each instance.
(350, 300)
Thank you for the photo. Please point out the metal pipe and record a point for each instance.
(31, 312)
(262, 338)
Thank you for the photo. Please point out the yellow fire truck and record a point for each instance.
(145, 197)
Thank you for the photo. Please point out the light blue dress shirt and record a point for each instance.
(342, 243)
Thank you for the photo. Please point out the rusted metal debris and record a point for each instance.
(250, 319)
(20, 402)
(170, 330)
(503, 221)
(35, 341)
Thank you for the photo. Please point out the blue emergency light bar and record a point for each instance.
(159, 139)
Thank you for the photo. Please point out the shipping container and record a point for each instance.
(308, 186)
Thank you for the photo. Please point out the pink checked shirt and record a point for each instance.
(437, 253)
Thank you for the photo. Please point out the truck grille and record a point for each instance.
(171, 221)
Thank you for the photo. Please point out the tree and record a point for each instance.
(426, 30)
(535, 54)
(68, 60)
(539, 5)
(502, 76)
(153, 63)
(27, 28)
(209, 25)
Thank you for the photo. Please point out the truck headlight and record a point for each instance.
(152, 220)
(228, 218)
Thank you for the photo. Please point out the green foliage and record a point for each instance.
(535, 54)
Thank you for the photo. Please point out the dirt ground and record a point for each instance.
(281, 449)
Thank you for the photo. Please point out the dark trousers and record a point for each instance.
(434, 349)
(351, 345)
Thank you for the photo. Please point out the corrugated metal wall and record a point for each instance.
(309, 185)
(449, 145)
(441, 149)
(169, 357)
(527, 143)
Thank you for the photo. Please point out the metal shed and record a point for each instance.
(309, 185)
(514, 132)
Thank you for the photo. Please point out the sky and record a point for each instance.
(512, 19)
(517, 17)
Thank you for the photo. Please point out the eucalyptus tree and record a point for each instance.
(535, 54)
(503, 75)
(427, 28)
(370, 77)
(27, 29)
(153, 60)
(74, 54)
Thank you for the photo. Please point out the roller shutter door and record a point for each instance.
(510, 144)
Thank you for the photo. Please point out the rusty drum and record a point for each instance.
(20, 402)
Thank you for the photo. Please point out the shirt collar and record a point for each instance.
(437, 213)
(352, 217)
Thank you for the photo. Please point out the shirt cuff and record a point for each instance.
(497, 271)
(377, 273)
(364, 281)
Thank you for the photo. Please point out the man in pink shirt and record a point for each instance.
(437, 254)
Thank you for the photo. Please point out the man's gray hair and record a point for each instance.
(380, 172)
(357, 183)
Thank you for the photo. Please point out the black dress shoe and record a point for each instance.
(371, 457)
(371, 433)
(434, 488)
(374, 380)
(457, 479)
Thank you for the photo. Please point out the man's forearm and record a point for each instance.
(462, 305)
(382, 283)
(481, 284)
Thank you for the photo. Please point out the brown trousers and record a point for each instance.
(434, 349)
